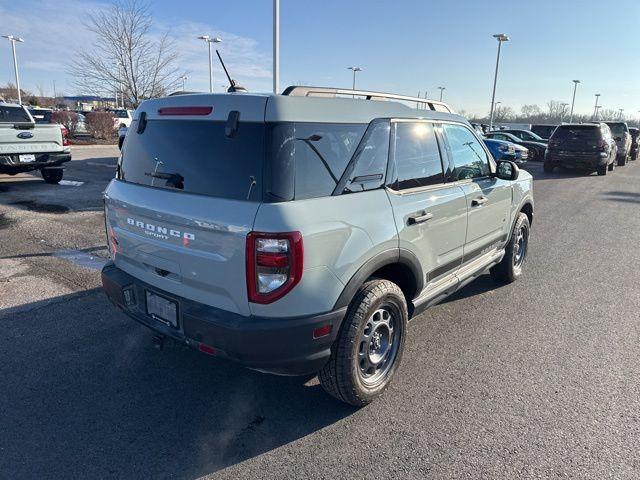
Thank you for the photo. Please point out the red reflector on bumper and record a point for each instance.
(203, 347)
(322, 331)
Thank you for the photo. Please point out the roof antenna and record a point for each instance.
(233, 85)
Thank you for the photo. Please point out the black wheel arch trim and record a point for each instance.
(382, 259)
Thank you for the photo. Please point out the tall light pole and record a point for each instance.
(620, 113)
(13, 41)
(573, 102)
(596, 113)
(595, 108)
(209, 41)
(355, 69)
(184, 80)
(442, 89)
(276, 46)
(119, 65)
(501, 37)
(564, 109)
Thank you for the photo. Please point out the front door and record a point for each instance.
(488, 198)
(430, 215)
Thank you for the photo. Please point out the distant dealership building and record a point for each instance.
(87, 103)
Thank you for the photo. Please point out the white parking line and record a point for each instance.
(96, 164)
(70, 183)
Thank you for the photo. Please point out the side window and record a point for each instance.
(416, 156)
(370, 160)
(322, 152)
(469, 158)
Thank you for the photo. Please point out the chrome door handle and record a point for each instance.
(415, 219)
(478, 202)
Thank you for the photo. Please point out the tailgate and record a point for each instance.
(36, 139)
(192, 246)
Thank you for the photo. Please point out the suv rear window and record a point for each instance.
(564, 132)
(617, 129)
(13, 114)
(196, 157)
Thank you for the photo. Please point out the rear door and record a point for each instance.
(488, 198)
(430, 215)
(185, 198)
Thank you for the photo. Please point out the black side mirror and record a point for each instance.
(507, 170)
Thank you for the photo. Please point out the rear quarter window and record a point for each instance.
(308, 159)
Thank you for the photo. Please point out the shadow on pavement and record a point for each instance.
(620, 196)
(480, 285)
(86, 395)
(30, 192)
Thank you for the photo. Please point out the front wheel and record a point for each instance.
(622, 161)
(52, 175)
(369, 347)
(510, 267)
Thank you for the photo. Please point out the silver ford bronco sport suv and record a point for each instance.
(298, 233)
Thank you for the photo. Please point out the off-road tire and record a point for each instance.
(341, 376)
(508, 271)
(52, 176)
(548, 167)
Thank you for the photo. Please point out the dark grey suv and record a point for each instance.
(587, 146)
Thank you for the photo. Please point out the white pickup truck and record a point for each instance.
(26, 146)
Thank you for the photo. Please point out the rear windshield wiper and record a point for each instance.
(315, 138)
(174, 180)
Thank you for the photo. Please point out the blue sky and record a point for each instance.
(404, 46)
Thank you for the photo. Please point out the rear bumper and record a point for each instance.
(282, 346)
(577, 160)
(11, 165)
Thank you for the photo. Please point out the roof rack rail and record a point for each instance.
(305, 91)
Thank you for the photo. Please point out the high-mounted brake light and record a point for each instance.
(185, 110)
(274, 265)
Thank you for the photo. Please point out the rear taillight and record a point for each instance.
(274, 265)
(65, 136)
(602, 144)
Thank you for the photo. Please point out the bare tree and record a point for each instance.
(127, 56)
(503, 113)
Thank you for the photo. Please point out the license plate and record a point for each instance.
(27, 158)
(162, 309)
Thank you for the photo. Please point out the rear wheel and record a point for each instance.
(510, 268)
(612, 166)
(52, 175)
(602, 170)
(369, 347)
(548, 167)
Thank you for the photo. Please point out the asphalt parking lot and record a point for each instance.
(538, 378)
